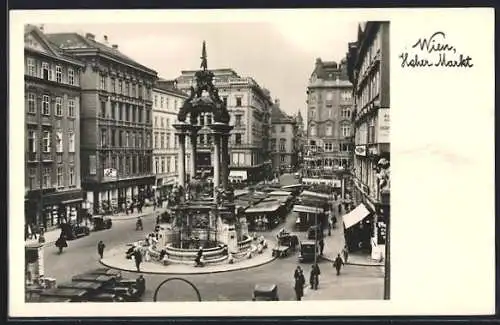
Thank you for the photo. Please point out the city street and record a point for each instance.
(356, 282)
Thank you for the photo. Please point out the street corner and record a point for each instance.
(117, 260)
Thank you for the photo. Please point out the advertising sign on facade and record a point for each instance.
(383, 125)
(360, 150)
(92, 165)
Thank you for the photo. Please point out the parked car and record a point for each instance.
(307, 251)
(101, 222)
(73, 231)
(265, 293)
(124, 288)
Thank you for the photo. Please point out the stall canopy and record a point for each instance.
(291, 187)
(315, 194)
(356, 215)
(238, 174)
(279, 193)
(307, 209)
(264, 207)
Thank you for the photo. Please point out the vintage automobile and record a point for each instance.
(287, 239)
(307, 251)
(73, 231)
(126, 288)
(262, 292)
(71, 294)
(53, 299)
(101, 223)
(106, 297)
(106, 271)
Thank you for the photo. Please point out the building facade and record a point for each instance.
(167, 100)
(283, 143)
(368, 66)
(329, 109)
(249, 106)
(53, 193)
(116, 121)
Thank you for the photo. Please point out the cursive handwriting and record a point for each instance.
(434, 52)
(432, 44)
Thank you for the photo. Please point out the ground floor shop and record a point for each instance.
(50, 208)
(118, 193)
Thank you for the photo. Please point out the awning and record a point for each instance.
(264, 208)
(279, 193)
(293, 186)
(238, 174)
(307, 209)
(72, 201)
(356, 215)
(315, 194)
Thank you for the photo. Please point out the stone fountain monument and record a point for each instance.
(215, 224)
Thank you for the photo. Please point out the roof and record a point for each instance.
(170, 86)
(73, 42)
(330, 70)
(278, 116)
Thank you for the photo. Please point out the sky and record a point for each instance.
(280, 56)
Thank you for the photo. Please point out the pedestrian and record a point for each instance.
(345, 253)
(300, 281)
(158, 219)
(321, 247)
(198, 257)
(337, 264)
(314, 276)
(140, 283)
(138, 259)
(330, 226)
(100, 248)
(61, 243)
(340, 208)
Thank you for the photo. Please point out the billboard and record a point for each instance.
(383, 125)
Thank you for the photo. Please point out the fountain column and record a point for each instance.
(194, 137)
(225, 157)
(216, 160)
(181, 133)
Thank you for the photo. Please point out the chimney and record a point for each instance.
(115, 46)
(90, 36)
(106, 39)
(41, 27)
(277, 102)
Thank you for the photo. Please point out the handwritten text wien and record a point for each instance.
(434, 52)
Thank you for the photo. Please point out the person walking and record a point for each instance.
(140, 285)
(100, 248)
(314, 277)
(345, 253)
(61, 243)
(337, 264)
(138, 259)
(300, 281)
(321, 246)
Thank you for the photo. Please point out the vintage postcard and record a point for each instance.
(251, 162)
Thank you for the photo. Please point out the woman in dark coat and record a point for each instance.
(138, 259)
(314, 277)
(61, 243)
(300, 281)
(100, 248)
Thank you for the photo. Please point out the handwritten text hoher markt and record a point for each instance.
(434, 52)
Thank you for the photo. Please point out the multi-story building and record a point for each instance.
(329, 107)
(167, 100)
(116, 121)
(368, 68)
(283, 139)
(249, 106)
(52, 131)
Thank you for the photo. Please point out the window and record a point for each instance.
(103, 82)
(346, 95)
(113, 139)
(139, 141)
(71, 107)
(32, 178)
(126, 139)
(237, 120)
(45, 105)
(71, 176)
(282, 158)
(282, 129)
(46, 141)
(162, 140)
(156, 143)
(273, 129)
(156, 121)
(161, 102)
(329, 130)
(132, 140)
(103, 137)
(148, 141)
(46, 71)
(175, 142)
(120, 85)
(328, 147)
(127, 89)
(58, 73)
(59, 111)
(113, 85)
(313, 113)
(346, 113)
(282, 144)
(329, 95)
(132, 90)
(313, 131)
(46, 178)
(238, 101)
(31, 103)
(209, 119)
(71, 76)
(224, 99)
(238, 138)
(329, 113)
(59, 142)
(139, 91)
(157, 161)
(346, 130)
(103, 109)
(156, 100)
(176, 164)
(60, 179)
(162, 165)
(162, 122)
(71, 141)
(168, 164)
(31, 67)
(168, 140)
(32, 141)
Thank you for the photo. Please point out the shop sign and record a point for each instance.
(360, 150)
(92, 165)
(383, 125)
